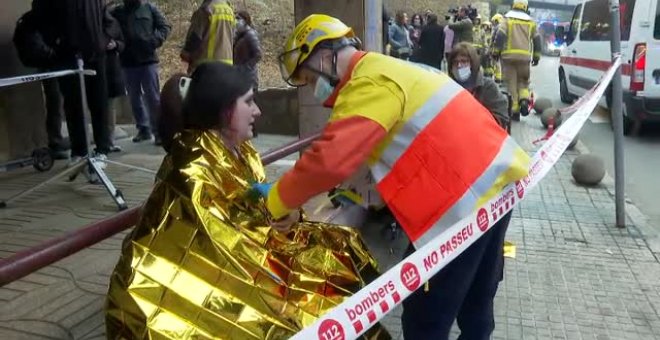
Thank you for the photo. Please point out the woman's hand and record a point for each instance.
(284, 224)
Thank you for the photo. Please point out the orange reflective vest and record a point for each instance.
(435, 151)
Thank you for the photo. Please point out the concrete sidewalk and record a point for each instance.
(575, 276)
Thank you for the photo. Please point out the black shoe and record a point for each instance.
(59, 153)
(515, 117)
(142, 136)
(158, 141)
(524, 107)
(115, 148)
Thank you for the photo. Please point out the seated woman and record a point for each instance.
(203, 260)
(465, 69)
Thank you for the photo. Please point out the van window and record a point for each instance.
(575, 24)
(596, 20)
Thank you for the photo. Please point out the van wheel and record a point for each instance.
(565, 96)
(630, 126)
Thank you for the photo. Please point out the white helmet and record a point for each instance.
(520, 4)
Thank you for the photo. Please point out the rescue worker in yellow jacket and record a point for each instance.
(497, 66)
(518, 43)
(210, 35)
(435, 152)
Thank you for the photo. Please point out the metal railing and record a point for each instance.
(32, 259)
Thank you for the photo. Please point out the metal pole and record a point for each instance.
(617, 116)
(83, 102)
(373, 27)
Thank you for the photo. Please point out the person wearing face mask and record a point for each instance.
(210, 35)
(204, 252)
(423, 136)
(465, 70)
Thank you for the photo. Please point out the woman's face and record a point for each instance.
(461, 61)
(417, 21)
(243, 117)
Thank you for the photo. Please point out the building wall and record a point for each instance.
(22, 113)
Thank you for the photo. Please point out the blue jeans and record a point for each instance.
(143, 87)
(463, 290)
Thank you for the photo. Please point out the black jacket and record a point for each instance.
(247, 52)
(115, 75)
(431, 46)
(145, 29)
(71, 28)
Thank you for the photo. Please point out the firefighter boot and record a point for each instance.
(524, 107)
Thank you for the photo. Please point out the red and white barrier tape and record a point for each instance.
(361, 311)
(41, 76)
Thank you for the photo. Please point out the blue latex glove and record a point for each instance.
(262, 188)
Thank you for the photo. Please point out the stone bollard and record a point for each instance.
(588, 170)
(547, 114)
(542, 104)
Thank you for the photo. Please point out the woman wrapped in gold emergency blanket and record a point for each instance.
(203, 262)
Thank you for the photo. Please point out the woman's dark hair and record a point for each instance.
(171, 103)
(417, 15)
(245, 16)
(432, 19)
(467, 50)
(214, 89)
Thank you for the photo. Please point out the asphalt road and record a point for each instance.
(642, 152)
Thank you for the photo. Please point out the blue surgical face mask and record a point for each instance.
(463, 73)
(323, 89)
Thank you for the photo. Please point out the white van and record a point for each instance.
(588, 55)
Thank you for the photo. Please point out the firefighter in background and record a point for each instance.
(210, 35)
(411, 125)
(518, 43)
(497, 66)
(485, 53)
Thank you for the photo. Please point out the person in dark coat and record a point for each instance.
(431, 44)
(145, 30)
(115, 75)
(75, 29)
(247, 48)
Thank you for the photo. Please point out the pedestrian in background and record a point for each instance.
(399, 37)
(79, 34)
(115, 75)
(31, 40)
(449, 41)
(145, 30)
(415, 29)
(210, 35)
(462, 27)
(431, 43)
(247, 48)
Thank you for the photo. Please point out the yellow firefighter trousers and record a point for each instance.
(515, 74)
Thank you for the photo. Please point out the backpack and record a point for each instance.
(29, 43)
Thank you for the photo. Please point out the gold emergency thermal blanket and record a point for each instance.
(203, 262)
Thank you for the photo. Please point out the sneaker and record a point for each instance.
(100, 160)
(115, 148)
(142, 136)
